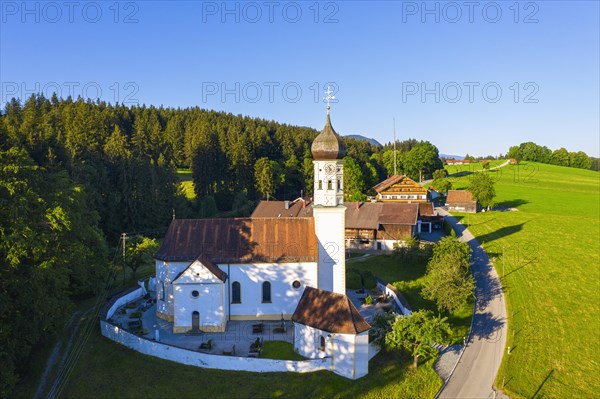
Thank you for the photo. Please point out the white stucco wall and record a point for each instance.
(209, 304)
(330, 231)
(284, 297)
(307, 341)
(188, 357)
(166, 273)
(348, 353)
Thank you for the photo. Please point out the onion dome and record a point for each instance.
(328, 144)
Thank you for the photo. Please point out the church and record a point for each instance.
(211, 271)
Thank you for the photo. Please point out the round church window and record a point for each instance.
(296, 284)
(195, 294)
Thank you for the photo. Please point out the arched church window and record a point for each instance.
(266, 292)
(236, 292)
(339, 185)
(162, 291)
(320, 184)
(322, 346)
(329, 185)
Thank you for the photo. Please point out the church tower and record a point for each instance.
(328, 151)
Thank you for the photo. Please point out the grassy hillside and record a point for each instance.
(186, 185)
(548, 253)
(108, 370)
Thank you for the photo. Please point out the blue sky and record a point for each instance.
(469, 77)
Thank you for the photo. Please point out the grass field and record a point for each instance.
(472, 167)
(409, 278)
(108, 370)
(279, 350)
(548, 253)
(186, 185)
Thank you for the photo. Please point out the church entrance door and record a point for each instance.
(195, 320)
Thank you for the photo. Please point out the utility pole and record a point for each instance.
(124, 239)
(394, 146)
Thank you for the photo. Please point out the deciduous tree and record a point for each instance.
(417, 334)
(449, 282)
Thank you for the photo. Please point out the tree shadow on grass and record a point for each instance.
(500, 233)
(514, 203)
(488, 327)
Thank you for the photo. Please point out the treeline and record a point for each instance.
(75, 174)
(530, 151)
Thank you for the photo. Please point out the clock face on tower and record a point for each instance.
(330, 168)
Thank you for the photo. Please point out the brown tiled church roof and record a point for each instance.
(329, 311)
(240, 240)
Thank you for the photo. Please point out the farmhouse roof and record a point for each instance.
(240, 240)
(459, 196)
(390, 181)
(329, 311)
(359, 215)
(426, 209)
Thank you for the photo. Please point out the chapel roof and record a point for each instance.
(207, 263)
(240, 240)
(329, 311)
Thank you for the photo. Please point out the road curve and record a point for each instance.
(476, 370)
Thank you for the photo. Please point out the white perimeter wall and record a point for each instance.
(204, 360)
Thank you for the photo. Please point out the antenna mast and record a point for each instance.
(395, 147)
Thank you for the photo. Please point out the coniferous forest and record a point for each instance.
(75, 174)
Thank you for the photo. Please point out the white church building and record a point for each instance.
(212, 271)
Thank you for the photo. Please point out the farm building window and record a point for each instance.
(266, 292)
(236, 292)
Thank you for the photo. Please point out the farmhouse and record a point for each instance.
(368, 225)
(457, 162)
(461, 201)
(212, 271)
(399, 188)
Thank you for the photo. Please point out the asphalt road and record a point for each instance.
(476, 371)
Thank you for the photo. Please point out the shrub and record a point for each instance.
(353, 280)
(369, 300)
(136, 315)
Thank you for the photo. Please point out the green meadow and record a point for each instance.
(186, 184)
(547, 252)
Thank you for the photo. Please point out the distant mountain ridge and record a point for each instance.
(457, 157)
(363, 138)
